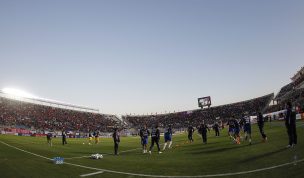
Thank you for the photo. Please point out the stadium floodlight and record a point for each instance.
(17, 92)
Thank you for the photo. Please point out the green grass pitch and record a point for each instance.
(184, 159)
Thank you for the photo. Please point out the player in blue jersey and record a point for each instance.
(247, 127)
(236, 131)
(231, 127)
(144, 135)
(168, 137)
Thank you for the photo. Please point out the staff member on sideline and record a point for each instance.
(260, 120)
(190, 133)
(203, 130)
(216, 128)
(116, 139)
(290, 122)
(155, 136)
(64, 135)
(49, 138)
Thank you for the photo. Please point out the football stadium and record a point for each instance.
(158, 89)
(25, 151)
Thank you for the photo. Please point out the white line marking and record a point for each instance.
(78, 157)
(105, 154)
(25, 151)
(147, 175)
(91, 174)
(130, 150)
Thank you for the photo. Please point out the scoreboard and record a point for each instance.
(204, 102)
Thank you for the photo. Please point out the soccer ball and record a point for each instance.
(96, 156)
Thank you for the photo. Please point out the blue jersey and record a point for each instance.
(155, 133)
(247, 124)
(246, 120)
(168, 135)
(144, 133)
(169, 131)
(231, 123)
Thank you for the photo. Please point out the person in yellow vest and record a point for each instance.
(90, 138)
(96, 134)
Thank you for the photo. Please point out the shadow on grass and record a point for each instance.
(222, 149)
(264, 155)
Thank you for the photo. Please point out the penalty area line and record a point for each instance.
(165, 176)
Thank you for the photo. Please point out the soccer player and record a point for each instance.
(203, 130)
(168, 137)
(190, 133)
(236, 131)
(260, 120)
(64, 134)
(155, 135)
(144, 136)
(216, 128)
(116, 139)
(290, 123)
(247, 127)
(231, 127)
(49, 139)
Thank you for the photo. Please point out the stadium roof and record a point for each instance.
(48, 102)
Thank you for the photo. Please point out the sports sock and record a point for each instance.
(170, 144)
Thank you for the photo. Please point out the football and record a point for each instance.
(96, 156)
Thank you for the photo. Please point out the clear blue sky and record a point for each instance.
(150, 56)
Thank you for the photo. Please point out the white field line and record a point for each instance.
(105, 154)
(125, 151)
(25, 151)
(91, 174)
(147, 175)
(78, 157)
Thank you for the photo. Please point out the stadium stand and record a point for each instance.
(20, 114)
(296, 96)
(195, 117)
(23, 114)
(298, 79)
(293, 92)
(285, 89)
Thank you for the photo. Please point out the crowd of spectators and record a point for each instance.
(299, 78)
(296, 96)
(14, 113)
(195, 117)
(285, 89)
